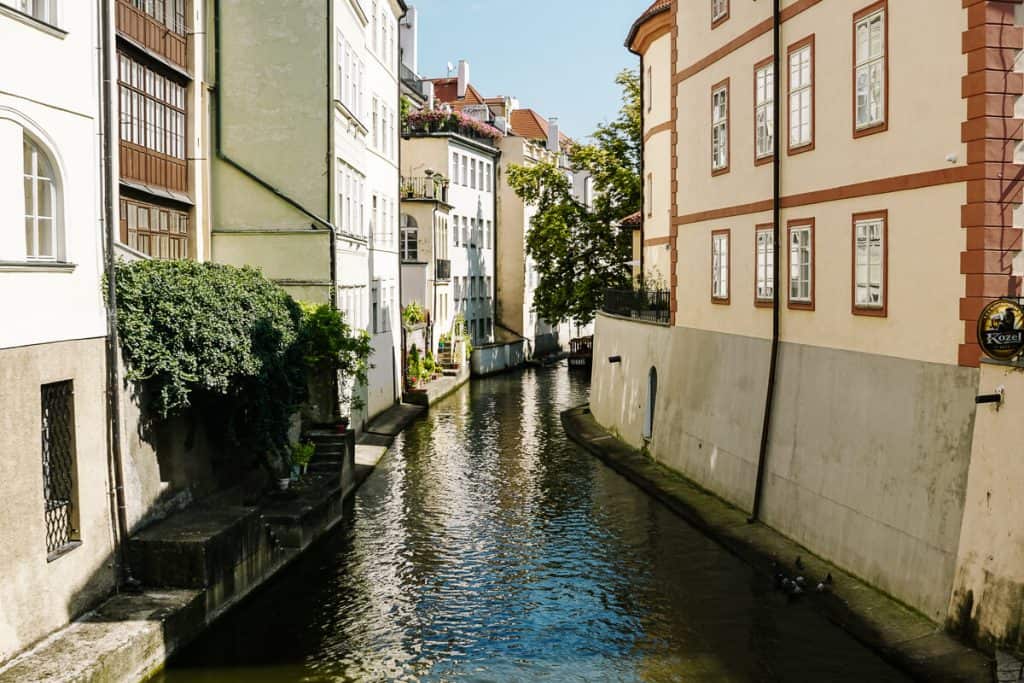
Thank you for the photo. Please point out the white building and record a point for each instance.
(55, 520)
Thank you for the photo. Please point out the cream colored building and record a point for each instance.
(306, 173)
(895, 226)
(55, 520)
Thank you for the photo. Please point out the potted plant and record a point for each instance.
(408, 190)
(302, 454)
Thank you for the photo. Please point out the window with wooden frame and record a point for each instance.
(764, 265)
(801, 96)
(720, 261)
(719, 12)
(801, 264)
(870, 70)
(157, 231)
(870, 263)
(764, 111)
(649, 88)
(153, 109)
(720, 128)
(43, 10)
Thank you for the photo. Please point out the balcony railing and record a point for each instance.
(411, 80)
(429, 122)
(649, 305)
(435, 188)
(442, 269)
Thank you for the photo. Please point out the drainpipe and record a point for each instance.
(333, 237)
(776, 231)
(124, 576)
(395, 365)
(222, 155)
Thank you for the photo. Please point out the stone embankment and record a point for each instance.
(900, 635)
(198, 564)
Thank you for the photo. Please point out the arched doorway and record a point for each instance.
(652, 397)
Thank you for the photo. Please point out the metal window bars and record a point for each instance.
(58, 451)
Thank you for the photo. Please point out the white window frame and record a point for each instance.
(764, 111)
(801, 96)
(801, 263)
(720, 265)
(764, 259)
(720, 128)
(869, 263)
(40, 178)
(870, 71)
(719, 10)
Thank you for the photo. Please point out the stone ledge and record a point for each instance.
(900, 635)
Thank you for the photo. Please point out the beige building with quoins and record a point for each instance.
(896, 226)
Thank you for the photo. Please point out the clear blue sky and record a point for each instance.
(558, 57)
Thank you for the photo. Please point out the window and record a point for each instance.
(487, 236)
(170, 13)
(455, 168)
(351, 73)
(157, 231)
(487, 180)
(152, 109)
(801, 96)
(472, 173)
(870, 267)
(465, 175)
(41, 204)
(720, 128)
(465, 231)
(375, 124)
(720, 266)
(649, 89)
(58, 454)
(375, 307)
(764, 284)
(764, 112)
(719, 12)
(801, 264)
(43, 10)
(351, 200)
(869, 75)
(487, 287)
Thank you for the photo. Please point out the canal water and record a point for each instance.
(487, 547)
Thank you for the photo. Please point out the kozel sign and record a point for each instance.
(1001, 329)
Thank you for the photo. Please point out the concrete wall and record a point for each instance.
(988, 598)
(37, 596)
(495, 358)
(868, 454)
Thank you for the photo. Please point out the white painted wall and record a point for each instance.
(53, 95)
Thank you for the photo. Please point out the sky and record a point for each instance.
(558, 57)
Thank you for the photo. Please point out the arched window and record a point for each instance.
(42, 205)
(652, 397)
(410, 238)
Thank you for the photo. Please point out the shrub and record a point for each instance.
(413, 314)
(329, 345)
(219, 338)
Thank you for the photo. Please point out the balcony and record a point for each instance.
(442, 269)
(152, 34)
(648, 305)
(433, 188)
(411, 80)
(434, 121)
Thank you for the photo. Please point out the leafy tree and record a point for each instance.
(580, 252)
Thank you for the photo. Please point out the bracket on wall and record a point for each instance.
(614, 359)
(996, 398)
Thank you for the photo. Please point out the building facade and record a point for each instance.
(318, 212)
(893, 231)
(163, 104)
(56, 520)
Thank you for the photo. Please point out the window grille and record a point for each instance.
(58, 451)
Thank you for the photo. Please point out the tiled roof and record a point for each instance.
(527, 123)
(656, 8)
(633, 220)
(447, 90)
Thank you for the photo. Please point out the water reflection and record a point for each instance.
(488, 548)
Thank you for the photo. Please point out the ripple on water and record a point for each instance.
(486, 547)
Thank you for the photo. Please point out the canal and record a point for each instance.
(487, 547)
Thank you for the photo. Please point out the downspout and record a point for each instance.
(398, 304)
(776, 218)
(221, 155)
(124, 577)
(333, 237)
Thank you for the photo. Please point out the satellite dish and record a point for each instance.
(451, 68)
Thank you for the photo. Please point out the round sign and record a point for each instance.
(1001, 329)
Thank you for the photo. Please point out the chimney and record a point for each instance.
(428, 92)
(553, 137)
(463, 77)
(408, 39)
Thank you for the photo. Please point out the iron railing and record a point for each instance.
(642, 304)
(58, 464)
(411, 80)
(442, 269)
(435, 188)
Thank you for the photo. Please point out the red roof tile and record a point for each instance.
(633, 220)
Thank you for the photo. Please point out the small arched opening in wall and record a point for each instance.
(652, 397)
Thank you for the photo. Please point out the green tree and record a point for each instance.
(579, 252)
